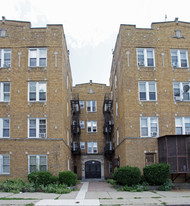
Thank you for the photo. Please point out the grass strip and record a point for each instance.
(13, 198)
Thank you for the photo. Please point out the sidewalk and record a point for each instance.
(98, 193)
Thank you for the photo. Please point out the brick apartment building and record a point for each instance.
(150, 79)
(143, 117)
(36, 84)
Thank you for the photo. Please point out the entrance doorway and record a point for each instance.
(92, 169)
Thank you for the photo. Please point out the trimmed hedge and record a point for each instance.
(127, 175)
(40, 178)
(156, 174)
(69, 178)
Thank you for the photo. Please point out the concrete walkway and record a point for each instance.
(96, 194)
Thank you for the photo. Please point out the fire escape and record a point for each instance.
(75, 125)
(108, 126)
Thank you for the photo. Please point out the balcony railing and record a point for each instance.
(109, 149)
(108, 128)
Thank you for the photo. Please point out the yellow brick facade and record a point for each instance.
(125, 77)
(20, 37)
(125, 113)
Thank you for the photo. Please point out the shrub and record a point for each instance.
(166, 186)
(135, 188)
(111, 181)
(55, 188)
(69, 178)
(127, 175)
(40, 178)
(156, 174)
(54, 179)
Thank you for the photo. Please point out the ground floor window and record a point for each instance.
(4, 164)
(150, 158)
(110, 167)
(37, 163)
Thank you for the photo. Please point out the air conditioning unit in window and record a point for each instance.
(42, 135)
(153, 134)
(141, 63)
(178, 98)
(174, 65)
(8, 65)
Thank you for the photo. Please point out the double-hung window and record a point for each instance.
(149, 126)
(179, 58)
(91, 126)
(5, 58)
(145, 57)
(181, 91)
(36, 91)
(37, 163)
(118, 136)
(82, 125)
(92, 147)
(81, 103)
(182, 125)
(147, 91)
(91, 106)
(5, 91)
(37, 57)
(37, 128)
(4, 164)
(4, 128)
(82, 145)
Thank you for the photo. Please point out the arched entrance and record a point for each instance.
(92, 169)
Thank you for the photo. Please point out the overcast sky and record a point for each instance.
(91, 26)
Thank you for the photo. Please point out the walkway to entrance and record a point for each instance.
(100, 187)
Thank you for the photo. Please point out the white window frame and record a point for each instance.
(37, 162)
(92, 125)
(92, 108)
(37, 128)
(2, 164)
(2, 127)
(147, 90)
(37, 56)
(81, 103)
(2, 58)
(82, 146)
(150, 120)
(184, 120)
(67, 108)
(3, 93)
(68, 137)
(116, 108)
(68, 164)
(67, 81)
(82, 124)
(144, 62)
(117, 136)
(179, 87)
(178, 63)
(115, 80)
(92, 147)
(37, 86)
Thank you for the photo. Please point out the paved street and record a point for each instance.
(99, 193)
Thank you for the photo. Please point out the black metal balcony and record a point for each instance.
(75, 128)
(75, 106)
(76, 150)
(107, 106)
(108, 128)
(109, 149)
